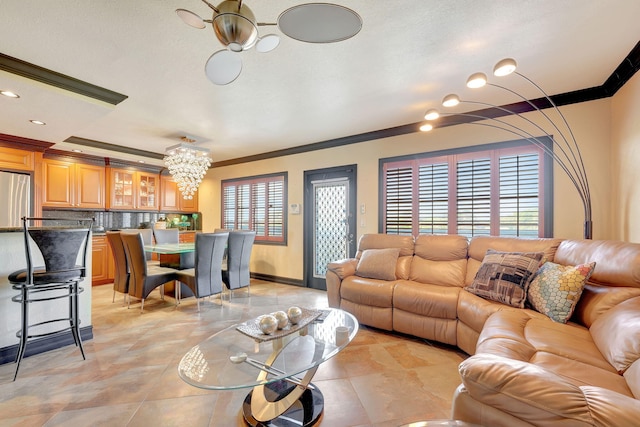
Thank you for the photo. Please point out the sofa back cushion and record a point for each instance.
(617, 334)
(390, 241)
(479, 245)
(440, 260)
(616, 277)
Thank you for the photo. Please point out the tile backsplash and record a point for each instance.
(115, 220)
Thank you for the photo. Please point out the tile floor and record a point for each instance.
(130, 376)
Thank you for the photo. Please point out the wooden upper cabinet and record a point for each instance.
(72, 185)
(12, 158)
(133, 190)
(172, 200)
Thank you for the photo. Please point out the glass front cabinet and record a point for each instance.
(133, 190)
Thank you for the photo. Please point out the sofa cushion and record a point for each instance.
(617, 334)
(555, 290)
(371, 292)
(505, 276)
(443, 273)
(378, 264)
(632, 376)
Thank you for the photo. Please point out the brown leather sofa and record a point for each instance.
(524, 369)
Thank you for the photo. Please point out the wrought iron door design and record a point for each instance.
(331, 235)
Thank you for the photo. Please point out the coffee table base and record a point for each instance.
(306, 411)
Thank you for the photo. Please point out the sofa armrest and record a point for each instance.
(336, 272)
(533, 393)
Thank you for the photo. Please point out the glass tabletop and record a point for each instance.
(230, 359)
(171, 248)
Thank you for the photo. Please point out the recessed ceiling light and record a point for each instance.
(141, 161)
(37, 122)
(9, 94)
(75, 150)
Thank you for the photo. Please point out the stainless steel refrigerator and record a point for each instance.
(15, 198)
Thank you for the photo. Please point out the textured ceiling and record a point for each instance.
(408, 55)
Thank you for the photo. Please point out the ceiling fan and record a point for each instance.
(235, 26)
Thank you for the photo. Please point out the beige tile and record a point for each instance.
(130, 375)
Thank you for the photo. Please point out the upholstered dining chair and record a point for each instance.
(205, 279)
(121, 274)
(147, 238)
(143, 278)
(238, 254)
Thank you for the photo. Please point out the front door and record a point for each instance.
(329, 220)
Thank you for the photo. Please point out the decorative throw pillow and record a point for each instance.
(505, 276)
(556, 289)
(378, 264)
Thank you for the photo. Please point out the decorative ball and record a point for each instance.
(294, 314)
(268, 324)
(282, 318)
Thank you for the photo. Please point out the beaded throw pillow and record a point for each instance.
(556, 289)
(505, 276)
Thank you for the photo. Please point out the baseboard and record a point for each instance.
(42, 345)
(283, 280)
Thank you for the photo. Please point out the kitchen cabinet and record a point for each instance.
(187, 236)
(11, 158)
(133, 190)
(102, 263)
(73, 185)
(172, 200)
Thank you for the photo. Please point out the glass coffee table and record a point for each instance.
(279, 367)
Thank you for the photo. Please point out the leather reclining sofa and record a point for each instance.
(525, 369)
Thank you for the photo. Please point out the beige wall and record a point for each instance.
(590, 122)
(625, 147)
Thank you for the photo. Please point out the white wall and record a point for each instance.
(590, 121)
(625, 147)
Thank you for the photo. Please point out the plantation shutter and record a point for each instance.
(399, 200)
(433, 199)
(519, 195)
(474, 197)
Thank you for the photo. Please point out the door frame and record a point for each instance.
(347, 171)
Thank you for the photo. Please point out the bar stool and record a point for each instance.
(63, 248)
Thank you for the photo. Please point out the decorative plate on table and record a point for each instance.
(251, 328)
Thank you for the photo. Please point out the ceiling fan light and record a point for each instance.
(233, 26)
(426, 127)
(223, 67)
(431, 114)
(190, 18)
(476, 80)
(319, 23)
(504, 67)
(267, 43)
(451, 100)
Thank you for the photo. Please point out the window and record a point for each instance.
(256, 203)
(502, 189)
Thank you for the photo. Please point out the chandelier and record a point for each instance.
(187, 165)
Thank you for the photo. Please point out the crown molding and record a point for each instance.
(62, 81)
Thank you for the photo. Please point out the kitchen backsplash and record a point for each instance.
(115, 220)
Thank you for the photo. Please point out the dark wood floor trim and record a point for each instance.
(278, 279)
(42, 345)
(62, 81)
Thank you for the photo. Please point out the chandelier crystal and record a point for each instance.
(187, 165)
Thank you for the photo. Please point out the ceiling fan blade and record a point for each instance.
(190, 18)
(319, 23)
(268, 43)
(223, 67)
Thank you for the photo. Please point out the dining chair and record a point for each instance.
(143, 278)
(121, 274)
(205, 279)
(147, 238)
(239, 248)
(61, 244)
